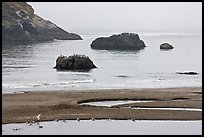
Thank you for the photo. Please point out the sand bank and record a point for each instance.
(54, 105)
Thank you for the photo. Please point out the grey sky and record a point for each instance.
(121, 16)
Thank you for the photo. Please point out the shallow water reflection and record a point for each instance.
(106, 127)
(115, 102)
(186, 109)
(123, 102)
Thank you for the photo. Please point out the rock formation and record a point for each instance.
(188, 73)
(21, 26)
(166, 46)
(75, 62)
(123, 41)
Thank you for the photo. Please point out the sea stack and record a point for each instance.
(21, 26)
(123, 41)
(74, 62)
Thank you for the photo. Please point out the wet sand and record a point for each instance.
(52, 105)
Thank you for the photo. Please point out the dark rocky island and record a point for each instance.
(21, 26)
(188, 73)
(74, 62)
(166, 46)
(123, 41)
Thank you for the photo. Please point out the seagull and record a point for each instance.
(16, 128)
(78, 119)
(92, 119)
(129, 106)
(38, 117)
(29, 123)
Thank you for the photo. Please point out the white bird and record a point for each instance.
(38, 117)
(92, 119)
(78, 119)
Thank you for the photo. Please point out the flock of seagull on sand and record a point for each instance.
(38, 117)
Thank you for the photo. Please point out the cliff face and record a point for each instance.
(21, 26)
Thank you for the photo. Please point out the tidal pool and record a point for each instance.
(185, 109)
(114, 102)
(122, 102)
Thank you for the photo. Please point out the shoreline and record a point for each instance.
(64, 104)
(93, 89)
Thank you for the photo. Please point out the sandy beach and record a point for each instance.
(52, 105)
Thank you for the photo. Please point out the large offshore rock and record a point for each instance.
(21, 26)
(123, 41)
(75, 62)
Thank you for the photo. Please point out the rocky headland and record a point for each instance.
(21, 26)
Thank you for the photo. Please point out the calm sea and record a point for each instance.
(30, 67)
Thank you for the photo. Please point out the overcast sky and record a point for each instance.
(122, 16)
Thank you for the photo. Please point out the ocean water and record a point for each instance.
(30, 67)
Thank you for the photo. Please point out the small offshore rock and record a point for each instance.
(166, 46)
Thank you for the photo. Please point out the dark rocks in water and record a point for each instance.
(75, 62)
(188, 73)
(123, 41)
(122, 76)
(21, 26)
(166, 46)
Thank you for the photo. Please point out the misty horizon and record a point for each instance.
(122, 16)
